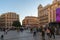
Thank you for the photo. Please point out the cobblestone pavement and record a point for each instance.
(25, 35)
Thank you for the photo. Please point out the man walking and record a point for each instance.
(43, 34)
(52, 30)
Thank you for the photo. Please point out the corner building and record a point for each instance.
(47, 14)
(7, 19)
(30, 21)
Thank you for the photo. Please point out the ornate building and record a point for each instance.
(47, 14)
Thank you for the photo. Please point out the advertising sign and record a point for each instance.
(58, 15)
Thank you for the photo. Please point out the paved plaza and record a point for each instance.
(25, 35)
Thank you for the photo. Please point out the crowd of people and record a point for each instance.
(49, 31)
(44, 31)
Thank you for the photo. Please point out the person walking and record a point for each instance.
(2, 37)
(52, 30)
(43, 34)
(31, 29)
(34, 31)
(48, 33)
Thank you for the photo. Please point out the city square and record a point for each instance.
(30, 20)
(25, 35)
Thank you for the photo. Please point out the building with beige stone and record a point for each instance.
(47, 14)
(6, 19)
(30, 21)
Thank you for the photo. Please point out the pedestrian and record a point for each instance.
(34, 31)
(31, 29)
(2, 37)
(6, 31)
(52, 30)
(48, 32)
(43, 34)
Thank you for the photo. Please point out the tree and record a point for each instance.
(17, 24)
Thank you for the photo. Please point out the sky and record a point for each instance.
(22, 7)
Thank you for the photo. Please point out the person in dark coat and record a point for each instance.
(31, 29)
(43, 34)
(34, 32)
(52, 30)
(2, 37)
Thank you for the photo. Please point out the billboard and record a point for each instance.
(58, 15)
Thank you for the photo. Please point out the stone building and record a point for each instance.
(7, 19)
(47, 14)
(30, 21)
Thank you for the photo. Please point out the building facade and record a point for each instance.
(30, 21)
(47, 14)
(6, 19)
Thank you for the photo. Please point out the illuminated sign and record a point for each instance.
(58, 15)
